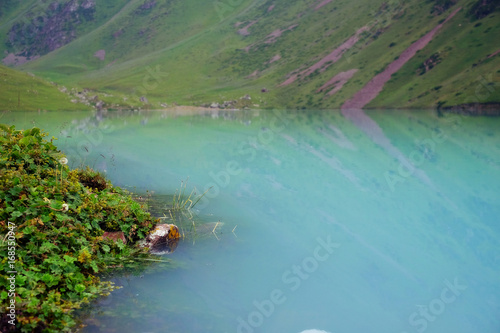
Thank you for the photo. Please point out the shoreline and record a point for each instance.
(490, 109)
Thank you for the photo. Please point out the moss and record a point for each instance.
(92, 179)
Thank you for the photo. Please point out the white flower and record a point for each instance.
(63, 160)
(65, 207)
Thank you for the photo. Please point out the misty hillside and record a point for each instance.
(294, 54)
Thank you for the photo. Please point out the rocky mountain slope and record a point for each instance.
(261, 53)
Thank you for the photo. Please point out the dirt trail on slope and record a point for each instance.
(244, 31)
(273, 36)
(332, 58)
(374, 87)
(494, 54)
(338, 81)
(321, 4)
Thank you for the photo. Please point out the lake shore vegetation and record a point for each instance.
(52, 222)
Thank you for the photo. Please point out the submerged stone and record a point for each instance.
(163, 239)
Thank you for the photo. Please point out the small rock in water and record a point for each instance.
(163, 239)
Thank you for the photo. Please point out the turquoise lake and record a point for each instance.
(374, 221)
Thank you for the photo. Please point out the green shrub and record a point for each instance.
(52, 220)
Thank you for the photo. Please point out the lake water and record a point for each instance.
(376, 221)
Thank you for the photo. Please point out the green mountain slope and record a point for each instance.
(296, 54)
(23, 91)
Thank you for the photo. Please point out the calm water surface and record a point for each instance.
(384, 221)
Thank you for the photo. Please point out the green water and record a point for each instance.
(380, 222)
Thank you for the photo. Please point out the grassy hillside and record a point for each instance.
(464, 70)
(22, 91)
(191, 52)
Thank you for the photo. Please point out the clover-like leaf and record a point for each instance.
(47, 278)
(105, 248)
(69, 259)
(79, 288)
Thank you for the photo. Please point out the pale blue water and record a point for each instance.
(380, 222)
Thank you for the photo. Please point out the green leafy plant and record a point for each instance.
(52, 221)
